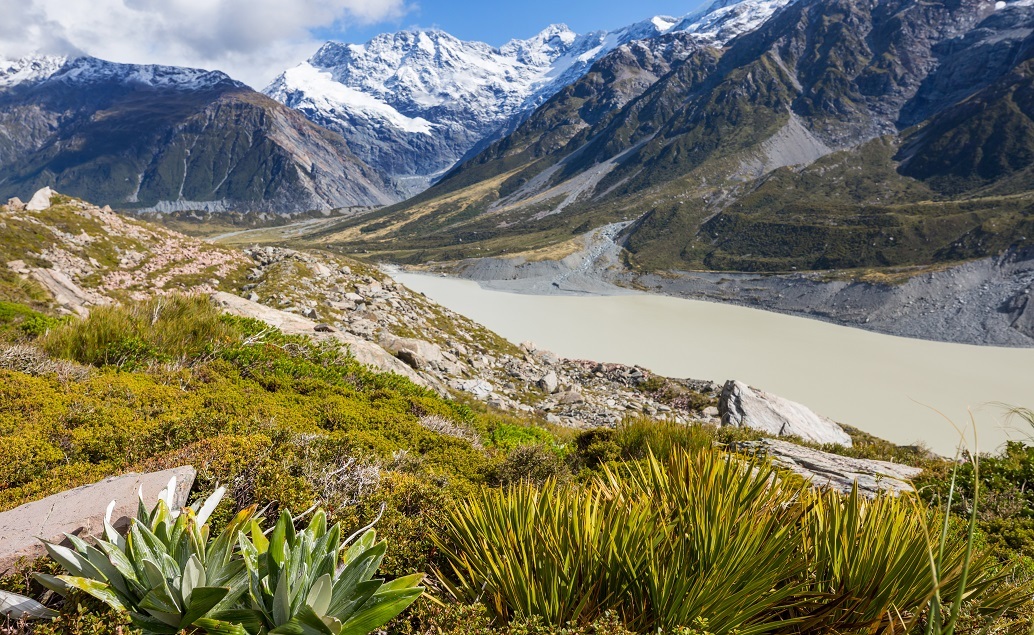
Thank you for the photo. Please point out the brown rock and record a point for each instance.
(80, 511)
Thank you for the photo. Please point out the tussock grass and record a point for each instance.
(171, 328)
(703, 536)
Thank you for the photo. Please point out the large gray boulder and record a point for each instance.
(40, 200)
(549, 382)
(80, 511)
(419, 354)
(746, 407)
(824, 469)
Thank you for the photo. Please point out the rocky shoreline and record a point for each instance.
(987, 302)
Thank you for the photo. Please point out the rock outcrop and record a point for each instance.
(365, 352)
(746, 407)
(80, 512)
(40, 200)
(824, 469)
(419, 354)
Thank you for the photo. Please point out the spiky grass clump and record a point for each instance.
(703, 536)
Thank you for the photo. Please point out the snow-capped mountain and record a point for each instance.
(90, 70)
(29, 69)
(168, 138)
(413, 103)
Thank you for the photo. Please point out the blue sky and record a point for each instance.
(496, 21)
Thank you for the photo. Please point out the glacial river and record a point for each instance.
(897, 388)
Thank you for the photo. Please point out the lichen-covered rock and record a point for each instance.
(746, 407)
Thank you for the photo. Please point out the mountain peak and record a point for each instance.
(85, 70)
(31, 68)
(415, 102)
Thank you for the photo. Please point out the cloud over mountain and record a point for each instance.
(250, 39)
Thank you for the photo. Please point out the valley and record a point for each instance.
(713, 323)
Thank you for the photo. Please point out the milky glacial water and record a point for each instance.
(897, 388)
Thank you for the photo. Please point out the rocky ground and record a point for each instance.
(451, 352)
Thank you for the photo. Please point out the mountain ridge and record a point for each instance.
(414, 103)
(166, 138)
(694, 155)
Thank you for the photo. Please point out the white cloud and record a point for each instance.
(252, 40)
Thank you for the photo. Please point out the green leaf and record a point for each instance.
(149, 624)
(282, 599)
(379, 610)
(306, 622)
(71, 562)
(193, 577)
(202, 600)
(19, 606)
(99, 590)
(52, 583)
(218, 627)
(320, 595)
(250, 619)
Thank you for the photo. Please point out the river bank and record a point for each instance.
(896, 388)
(987, 302)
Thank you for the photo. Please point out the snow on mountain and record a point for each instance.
(87, 70)
(413, 103)
(725, 19)
(33, 68)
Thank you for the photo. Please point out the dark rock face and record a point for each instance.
(96, 130)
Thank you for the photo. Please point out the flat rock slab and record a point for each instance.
(824, 469)
(364, 352)
(80, 511)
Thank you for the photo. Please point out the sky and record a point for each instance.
(254, 40)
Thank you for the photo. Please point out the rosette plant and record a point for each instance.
(311, 582)
(170, 576)
(165, 572)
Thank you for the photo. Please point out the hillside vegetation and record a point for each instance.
(287, 423)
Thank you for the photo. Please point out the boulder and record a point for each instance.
(743, 406)
(420, 354)
(67, 294)
(824, 469)
(80, 511)
(549, 382)
(15, 204)
(571, 397)
(40, 200)
(480, 388)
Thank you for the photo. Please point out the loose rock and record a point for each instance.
(743, 406)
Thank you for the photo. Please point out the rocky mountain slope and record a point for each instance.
(837, 135)
(167, 138)
(85, 256)
(413, 103)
